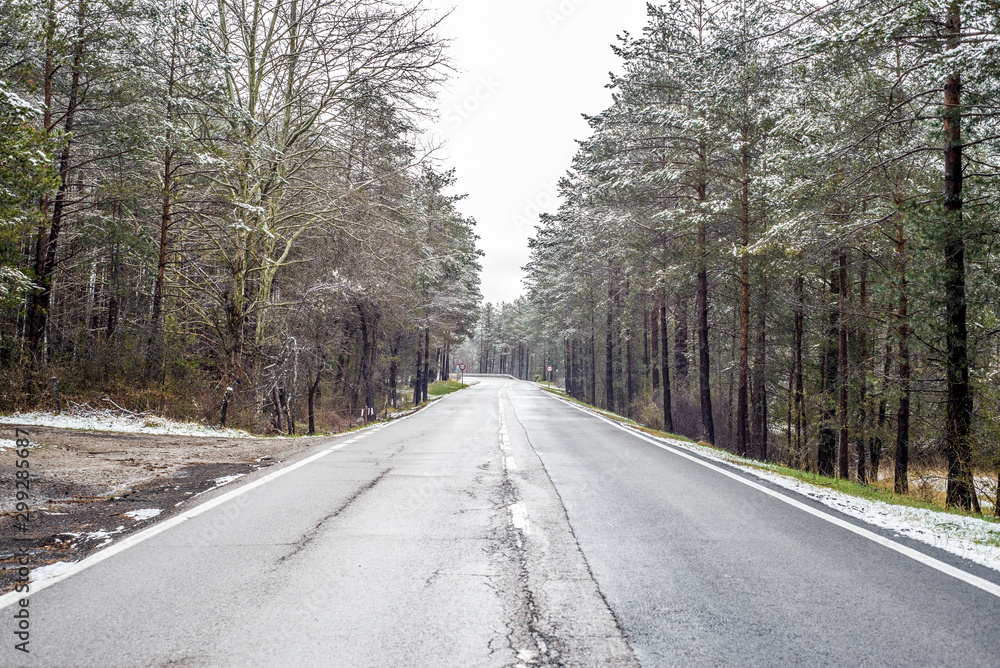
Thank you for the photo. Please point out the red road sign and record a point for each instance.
(549, 368)
(461, 367)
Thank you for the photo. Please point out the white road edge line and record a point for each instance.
(12, 597)
(948, 569)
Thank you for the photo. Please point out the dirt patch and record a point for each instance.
(84, 484)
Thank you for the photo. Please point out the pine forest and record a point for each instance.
(781, 239)
(227, 211)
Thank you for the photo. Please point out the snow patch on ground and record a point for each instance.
(219, 482)
(7, 444)
(51, 571)
(226, 479)
(969, 537)
(101, 535)
(118, 423)
(143, 514)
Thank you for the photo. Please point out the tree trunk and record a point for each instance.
(313, 387)
(112, 290)
(789, 401)
(394, 372)
(427, 356)
(681, 363)
(356, 385)
(629, 391)
(742, 414)
(901, 470)
(35, 319)
(758, 385)
(279, 412)
(827, 451)
(368, 324)
(646, 370)
(668, 419)
(620, 406)
(579, 369)
(654, 317)
(289, 401)
(482, 347)
(417, 383)
(704, 378)
(876, 440)
(843, 450)
(961, 489)
(730, 438)
(798, 330)
(863, 379)
(154, 352)
(42, 298)
(593, 358)
(577, 363)
(224, 409)
(568, 366)
(609, 381)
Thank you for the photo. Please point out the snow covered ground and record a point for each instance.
(143, 514)
(51, 571)
(107, 421)
(105, 536)
(219, 482)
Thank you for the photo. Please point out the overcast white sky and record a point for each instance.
(528, 69)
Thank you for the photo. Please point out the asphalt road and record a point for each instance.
(503, 526)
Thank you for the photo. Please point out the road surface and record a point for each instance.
(503, 526)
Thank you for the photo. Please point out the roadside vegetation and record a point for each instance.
(214, 220)
(781, 239)
(439, 388)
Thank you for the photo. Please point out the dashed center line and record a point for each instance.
(519, 517)
(518, 511)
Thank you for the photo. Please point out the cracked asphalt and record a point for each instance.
(502, 527)
(397, 549)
